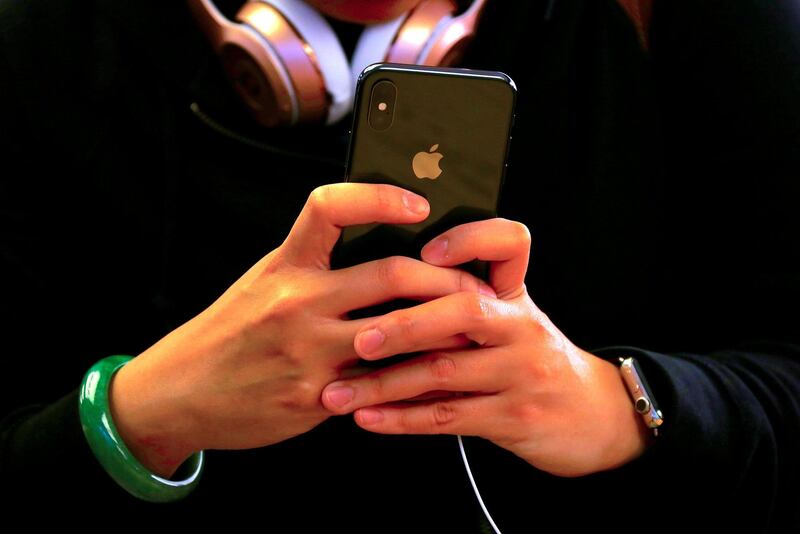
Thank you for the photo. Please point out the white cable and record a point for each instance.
(475, 486)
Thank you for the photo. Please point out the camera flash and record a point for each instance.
(382, 106)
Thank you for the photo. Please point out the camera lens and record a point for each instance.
(382, 103)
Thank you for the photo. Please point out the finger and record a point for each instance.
(505, 242)
(467, 416)
(485, 320)
(476, 370)
(333, 206)
(386, 279)
(345, 355)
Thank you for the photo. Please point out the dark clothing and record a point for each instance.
(660, 192)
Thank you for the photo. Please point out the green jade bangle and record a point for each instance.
(109, 448)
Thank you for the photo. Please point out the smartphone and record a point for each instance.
(443, 133)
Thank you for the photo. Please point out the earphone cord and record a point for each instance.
(475, 486)
(216, 126)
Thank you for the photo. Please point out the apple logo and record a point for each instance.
(426, 164)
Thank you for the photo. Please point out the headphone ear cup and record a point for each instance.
(403, 39)
(282, 58)
(418, 29)
(449, 40)
(442, 56)
(274, 32)
(252, 66)
(430, 34)
(317, 63)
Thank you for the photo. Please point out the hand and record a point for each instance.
(523, 385)
(248, 371)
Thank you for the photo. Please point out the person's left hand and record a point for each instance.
(521, 384)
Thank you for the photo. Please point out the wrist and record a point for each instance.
(628, 436)
(151, 427)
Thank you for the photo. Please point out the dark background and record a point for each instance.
(660, 191)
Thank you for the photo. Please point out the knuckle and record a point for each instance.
(384, 200)
(319, 196)
(540, 372)
(403, 423)
(522, 232)
(537, 326)
(390, 270)
(302, 394)
(307, 392)
(443, 414)
(466, 282)
(476, 307)
(281, 308)
(375, 387)
(403, 325)
(525, 414)
(320, 203)
(281, 315)
(442, 369)
(270, 263)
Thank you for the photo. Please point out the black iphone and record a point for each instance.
(443, 133)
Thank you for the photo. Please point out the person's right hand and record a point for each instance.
(248, 371)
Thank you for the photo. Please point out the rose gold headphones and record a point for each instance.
(285, 61)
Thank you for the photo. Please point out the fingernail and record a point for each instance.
(339, 395)
(370, 416)
(485, 289)
(415, 203)
(436, 250)
(370, 340)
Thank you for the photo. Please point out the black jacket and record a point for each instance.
(661, 192)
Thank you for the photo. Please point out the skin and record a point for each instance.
(363, 11)
(272, 357)
(521, 384)
(248, 371)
